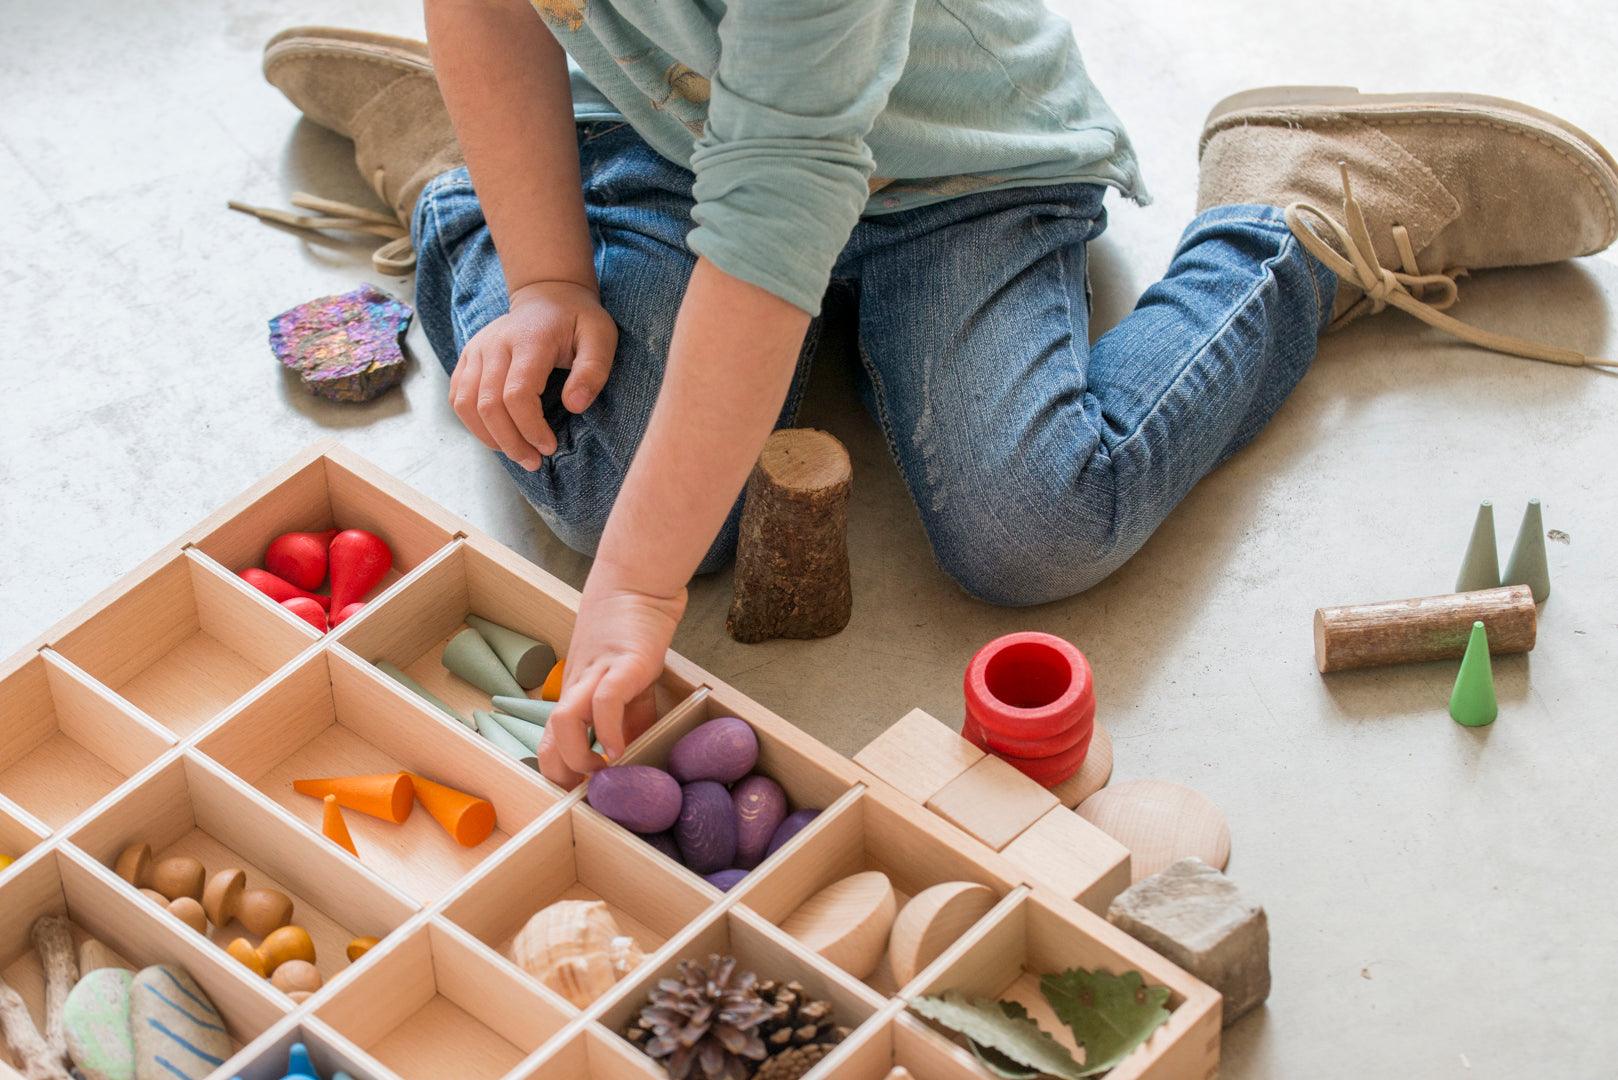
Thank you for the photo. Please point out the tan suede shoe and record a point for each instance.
(1433, 184)
(379, 91)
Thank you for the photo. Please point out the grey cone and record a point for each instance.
(1481, 567)
(1527, 565)
(524, 708)
(528, 660)
(398, 676)
(470, 657)
(504, 740)
(524, 732)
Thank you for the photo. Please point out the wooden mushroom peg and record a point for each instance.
(280, 946)
(227, 897)
(174, 877)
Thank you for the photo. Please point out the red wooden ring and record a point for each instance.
(1050, 746)
(1028, 686)
(1047, 771)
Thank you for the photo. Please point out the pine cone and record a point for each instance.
(705, 1023)
(794, 1063)
(795, 1019)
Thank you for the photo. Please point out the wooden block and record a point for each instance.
(1072, 858)
(1092, 775)
(992, 801)
(919, 755)
(1160, 822)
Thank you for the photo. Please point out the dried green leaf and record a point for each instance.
(1001, 1065)
(1109, 1014)
(1002, 1027)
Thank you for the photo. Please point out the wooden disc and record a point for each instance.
(1159, 822)
(848, 921)
(931, 922)
(1092, 775)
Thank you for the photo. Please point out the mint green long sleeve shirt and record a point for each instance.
(799, 116)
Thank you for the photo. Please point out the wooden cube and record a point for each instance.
(1072, 858)
(918, 755)
(992, 801)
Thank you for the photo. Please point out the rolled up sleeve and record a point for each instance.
(782, 167)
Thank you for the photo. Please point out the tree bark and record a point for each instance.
(1427, 628)
(792, 554)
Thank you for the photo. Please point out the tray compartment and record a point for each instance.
(20, 833)
(899, 1040)
(65, 742)
(1032, 933)
(432, 1005)
(62, 883)
(876, 830)
(185, 642)
(579, 855)
(326, 494)
(759, 947)
(193, 807)
(412, 626)
(589, 1053)
(334, 715)
(265, 1058)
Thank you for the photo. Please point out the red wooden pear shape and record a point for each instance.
(279, 589)
(299, 557)
(358, 561)
(307, 610)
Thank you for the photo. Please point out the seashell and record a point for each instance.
(575, 948)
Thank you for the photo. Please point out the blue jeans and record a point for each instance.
(1038, 463)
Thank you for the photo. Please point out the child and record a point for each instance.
(944, 162)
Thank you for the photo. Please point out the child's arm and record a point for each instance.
(504, 79)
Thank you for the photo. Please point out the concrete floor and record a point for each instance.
(1436, 894)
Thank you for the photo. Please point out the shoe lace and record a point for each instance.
(1353, 258)
(395, 258)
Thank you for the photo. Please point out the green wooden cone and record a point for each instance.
(393, 672)
(1527, 564)
(504, 740)
(1481, 567)
(529, 661)
(1472, 701)
(523, 708)
(470, 657)
(524, 732)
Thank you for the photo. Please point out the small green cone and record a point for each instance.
(1527, 564)
(529, 709)
(393, 672)
(524, 732)
(470, 657)
(529, 661)
(504, 740)
(1472, 701)
(1481, 567)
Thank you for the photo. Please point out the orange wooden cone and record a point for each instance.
(335, 828)
(552, 690)
(388, 796)
(467, 818)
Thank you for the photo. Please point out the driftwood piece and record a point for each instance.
(1426, 628)
(792, 555)
(53, 941)
(28, 1046)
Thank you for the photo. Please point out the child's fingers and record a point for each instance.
(639, 715)
(594, 345)
(491, 409)
(552, 766)
(463, 394)
(607, 709)
(530, 366)
(570, 719)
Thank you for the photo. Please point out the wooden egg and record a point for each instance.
(359, 947)
(761, 806)
(931, 922)
(706, 829)
(296, 977)
(848, 921)
(177, 877)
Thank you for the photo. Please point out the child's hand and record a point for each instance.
(502, 371)
(612, 662)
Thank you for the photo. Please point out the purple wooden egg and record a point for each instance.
(706, 829)
(638, 797)
(789, 828)
(761, 805)
(725, 880)
(723, 749)
(664, 842)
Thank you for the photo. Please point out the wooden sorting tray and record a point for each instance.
(176, 708)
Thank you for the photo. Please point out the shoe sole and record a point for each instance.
(406, 48)
(1349, 98)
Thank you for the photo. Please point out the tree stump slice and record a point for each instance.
(792, 555)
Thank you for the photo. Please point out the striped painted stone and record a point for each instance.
(179, 1035)
(95, 1024)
